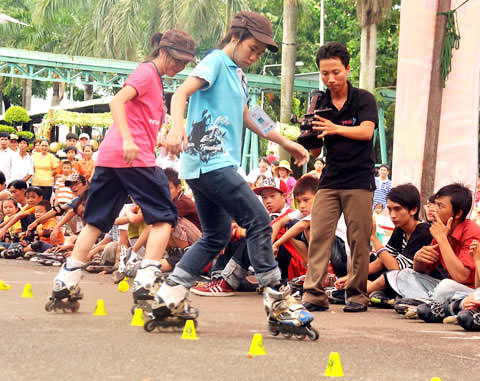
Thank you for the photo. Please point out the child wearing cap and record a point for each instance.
(126, 165)
(211, 142)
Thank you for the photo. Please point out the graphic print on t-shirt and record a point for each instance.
(205, 141)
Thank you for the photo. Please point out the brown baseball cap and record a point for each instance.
(258, 25)
(180, 44)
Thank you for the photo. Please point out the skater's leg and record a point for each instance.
(216, 228)
(85, 241)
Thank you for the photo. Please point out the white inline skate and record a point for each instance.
(171, 307)
(145, 286)
(285, 315)
(66, 293)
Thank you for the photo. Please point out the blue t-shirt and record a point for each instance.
(215, 117)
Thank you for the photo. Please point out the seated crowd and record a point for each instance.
(423, 269)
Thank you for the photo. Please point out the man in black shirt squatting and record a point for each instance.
(347, 182)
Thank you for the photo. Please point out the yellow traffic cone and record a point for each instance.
(123, 285)
(334, 366)
(435, 379)
(27, 291)
(4, 286)
(100, 308)
(137, 320)
(189, 332)
(256, 347)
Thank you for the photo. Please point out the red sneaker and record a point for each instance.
(217, 287)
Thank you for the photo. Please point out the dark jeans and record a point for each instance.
(221, 195)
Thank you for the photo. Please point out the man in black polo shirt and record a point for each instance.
(347, 182)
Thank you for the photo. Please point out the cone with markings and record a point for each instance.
(27, 291)
(189, 332)
(334, 366)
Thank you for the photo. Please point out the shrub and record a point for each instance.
(16, 114)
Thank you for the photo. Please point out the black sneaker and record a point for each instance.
(336, 296)
(434, 312)
(469, 320)
(401, 305)
(380, 299)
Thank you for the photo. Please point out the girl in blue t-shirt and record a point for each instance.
(211, 154)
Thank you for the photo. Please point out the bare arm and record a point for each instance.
(362, 132)
(295, 230)
(299, 153)
(177, 137)
(279, 224)
(425, 259)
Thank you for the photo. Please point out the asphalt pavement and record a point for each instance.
(376, 345)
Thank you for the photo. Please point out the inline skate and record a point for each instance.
(286, 316)
(66, 293)
(145, 286)
(171, 308)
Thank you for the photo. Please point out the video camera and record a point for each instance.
(308, 137)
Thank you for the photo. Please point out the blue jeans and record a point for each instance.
(220, 196)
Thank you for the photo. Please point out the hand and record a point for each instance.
(31, 227)
(475, 250)
(177, 140)
(275, 248)
(427, 255)
(327, 127)
(54, 234)
(341, 282)
(440, 231)
(130, 150)
(2, 233)
(299, 153)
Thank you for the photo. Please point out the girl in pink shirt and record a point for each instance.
(126, 166)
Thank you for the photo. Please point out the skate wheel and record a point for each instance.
(150, 325)
(287, 335)
(49, 306)
(75, 307)
(312, 333)
(273, 331)
(300, 336)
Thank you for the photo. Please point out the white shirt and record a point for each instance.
(6, 163)
(21, 166)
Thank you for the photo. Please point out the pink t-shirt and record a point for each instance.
(145, 115)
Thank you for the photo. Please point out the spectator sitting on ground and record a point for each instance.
(9, 209)
(17, 190)
(453, 234)
(382, 186)
(34, 195)
(273, 194)
(464, 303)
(44, 231)
(4, 193)
(409, 236)
(299, 234)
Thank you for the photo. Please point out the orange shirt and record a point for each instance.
(76, 169)
(49, 225)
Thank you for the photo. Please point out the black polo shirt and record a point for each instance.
(350, 163)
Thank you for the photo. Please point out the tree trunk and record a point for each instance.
(368, 57)
(56, 94)
(434, 107)
(1, 95)
(88, 92)
(289, 51)
(27, 94)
